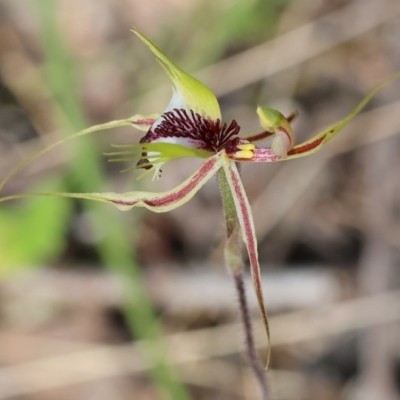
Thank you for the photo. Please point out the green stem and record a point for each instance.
(234, 262)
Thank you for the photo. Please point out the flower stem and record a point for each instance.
(234, 261)
(251, 354)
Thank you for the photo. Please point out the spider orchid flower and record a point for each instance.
(192, 126)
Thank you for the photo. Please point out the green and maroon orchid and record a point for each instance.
(192, 126)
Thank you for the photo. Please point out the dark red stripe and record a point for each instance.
(146, 122)
(173, 197)
(260, 136)
(307, 147)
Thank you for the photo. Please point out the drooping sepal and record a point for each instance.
(245, 217)
(189, 93)
(156, 202)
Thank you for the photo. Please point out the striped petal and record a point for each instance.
(315, 143)
(156, 202)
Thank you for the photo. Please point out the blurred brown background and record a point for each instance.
(328, 225)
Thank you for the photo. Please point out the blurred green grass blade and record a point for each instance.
(86, 175)
(31, 234)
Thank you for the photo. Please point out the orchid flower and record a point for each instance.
(192, 126)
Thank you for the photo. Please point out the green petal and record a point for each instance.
(95, 128)
(190, 93)
(315, 143)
